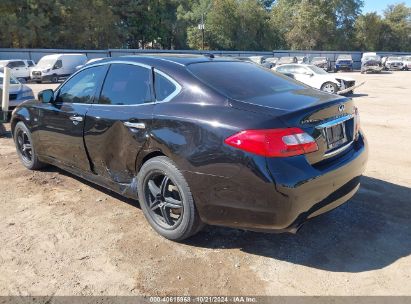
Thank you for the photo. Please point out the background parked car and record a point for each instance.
(407, 62)
(257, 59)
(344, 63)
(287, 60)
(88, 62)
(322, 62)
(272, 60)
(18, 92)
(18, 68)
(371, 63)
(302, 59)
(55, 67)
(394, 63)
(317, 78)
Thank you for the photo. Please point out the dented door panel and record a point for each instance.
(112, 144)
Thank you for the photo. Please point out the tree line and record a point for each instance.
(253, 25)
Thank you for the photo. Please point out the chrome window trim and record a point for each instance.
(171, 96)
(176, 84)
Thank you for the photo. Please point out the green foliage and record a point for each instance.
(229, 24)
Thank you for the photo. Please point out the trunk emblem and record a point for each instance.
(341, 108)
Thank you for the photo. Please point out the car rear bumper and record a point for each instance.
(278, 195)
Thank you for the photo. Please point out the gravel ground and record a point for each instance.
(63, 236)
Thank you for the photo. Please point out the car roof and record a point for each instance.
(179, 59)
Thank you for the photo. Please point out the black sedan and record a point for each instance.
(199, 140)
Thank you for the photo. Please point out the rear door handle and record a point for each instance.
(76, 118)
(135, 125)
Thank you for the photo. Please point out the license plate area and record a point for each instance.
(335, 135)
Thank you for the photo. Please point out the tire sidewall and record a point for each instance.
(333, 84)
(20, 126)
(161, 164)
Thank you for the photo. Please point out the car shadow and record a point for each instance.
(106, 191)
(356, 95)
(4, 133)
(370, 232)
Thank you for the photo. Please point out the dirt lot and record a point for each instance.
(63, 236)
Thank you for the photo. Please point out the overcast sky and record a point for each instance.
(379, 5)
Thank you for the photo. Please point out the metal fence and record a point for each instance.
(36, 54)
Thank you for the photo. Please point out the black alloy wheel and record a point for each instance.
(24, 146)
(164, 200)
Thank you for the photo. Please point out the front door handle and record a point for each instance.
(135, 125)
(76, 118)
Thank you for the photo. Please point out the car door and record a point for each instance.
(304, 75)
(61, 123)
(117, 128)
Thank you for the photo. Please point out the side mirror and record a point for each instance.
(46, 96)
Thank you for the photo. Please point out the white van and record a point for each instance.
(57, 66)
(19, 68)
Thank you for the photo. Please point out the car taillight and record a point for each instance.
(273, 142)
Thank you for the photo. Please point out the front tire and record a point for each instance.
(55, 79)
(25, 147)
(166, 200)
(329, 87)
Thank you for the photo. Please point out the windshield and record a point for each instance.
(12, 80)
(46, 62)
(344, 57)
(395, 58)
(287, 59)
(317, 70)
(407, 58)
(316, 59)
(375, 58)
(241, 80)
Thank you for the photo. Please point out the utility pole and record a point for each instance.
(201, 27)
(4, 110)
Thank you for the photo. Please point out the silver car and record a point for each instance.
(18, 92)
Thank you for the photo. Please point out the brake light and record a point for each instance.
(273, 142)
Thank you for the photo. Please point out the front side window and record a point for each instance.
(126, 84)
(12, 80)
(58, 65)
(300, 70)
(284, 69)
(163, 87)
(30, 63)
(19, 64)
(81, 88)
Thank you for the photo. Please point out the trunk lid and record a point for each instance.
(313, 111)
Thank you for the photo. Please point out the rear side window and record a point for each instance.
(126, 84)
(242, 80)
(163, 87)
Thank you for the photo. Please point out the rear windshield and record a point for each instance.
(242, 80)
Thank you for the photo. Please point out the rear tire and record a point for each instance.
(25, 147)
(166, 200)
